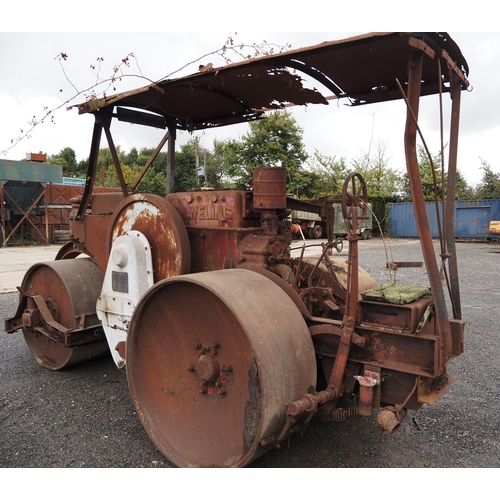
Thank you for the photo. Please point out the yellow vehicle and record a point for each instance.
(495, 230)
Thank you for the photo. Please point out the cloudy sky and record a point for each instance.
(32, 80)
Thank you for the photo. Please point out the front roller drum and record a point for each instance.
(212, 360)
(70, 289)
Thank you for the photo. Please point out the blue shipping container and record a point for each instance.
(472, 219)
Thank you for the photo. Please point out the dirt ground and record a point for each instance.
(83, 416)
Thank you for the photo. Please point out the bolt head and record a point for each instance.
(208, 368)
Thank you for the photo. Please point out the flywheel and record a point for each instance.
(158, 220)
(212, 360)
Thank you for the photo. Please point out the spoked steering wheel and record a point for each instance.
(354, 196)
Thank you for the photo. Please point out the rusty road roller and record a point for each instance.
(230, 344)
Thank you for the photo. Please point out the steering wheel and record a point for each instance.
(353, 196)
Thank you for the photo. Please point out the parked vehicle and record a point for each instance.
(314, 226)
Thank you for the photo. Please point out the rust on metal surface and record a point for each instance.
(241, 92)
(367, 383)
(202, 324)
(214, 209)
(269, 188)
(59, 322)
(394, 266)
(157, 219)
(389, 420)
(414, 92)
(450, 195)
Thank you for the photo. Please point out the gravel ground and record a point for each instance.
(83, 416)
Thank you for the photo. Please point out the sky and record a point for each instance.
(34, 79)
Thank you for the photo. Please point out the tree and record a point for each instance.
(185, 167)
(274, 141)
(81, 170)
(309, 185)
(383, 184)
(331, 173)
(105, 159)
(152, 182)
(381, 180)
(463, 191)
(131, 157)
(432, 180)
(160, 162)
(429, 187)
(489, 187)
(67, 159)
(227, 158)
(185, 173)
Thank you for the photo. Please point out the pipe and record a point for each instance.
(366, 391)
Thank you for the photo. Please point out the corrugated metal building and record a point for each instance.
(472, 219)
(35, 196)
(22, 194)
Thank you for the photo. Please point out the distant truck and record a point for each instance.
(314, 226)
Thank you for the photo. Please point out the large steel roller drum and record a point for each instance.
(212, 360)
(70, 289)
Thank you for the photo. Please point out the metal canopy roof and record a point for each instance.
(362, 69)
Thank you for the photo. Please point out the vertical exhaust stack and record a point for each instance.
(269, 195)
